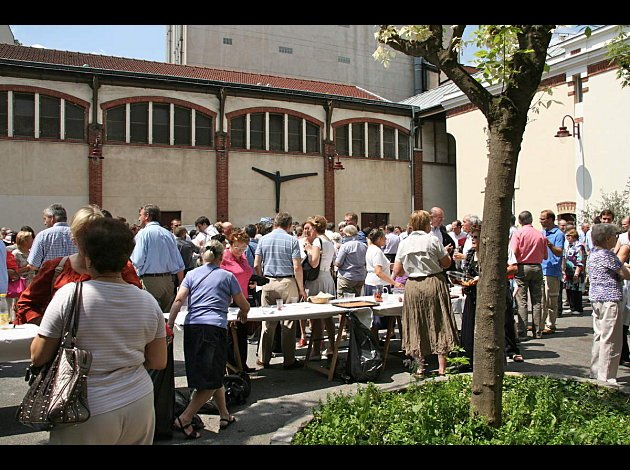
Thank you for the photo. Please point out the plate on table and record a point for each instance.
(357, 304)
(459, 278)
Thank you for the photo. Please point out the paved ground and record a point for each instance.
(280, 397)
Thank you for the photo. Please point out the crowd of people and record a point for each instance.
(150, 269)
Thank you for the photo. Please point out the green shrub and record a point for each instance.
(536, 411)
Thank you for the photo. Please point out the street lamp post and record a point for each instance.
(564, 132)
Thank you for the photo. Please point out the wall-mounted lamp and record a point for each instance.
(563, 132)
(335, 165)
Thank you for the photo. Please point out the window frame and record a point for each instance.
(25, 117)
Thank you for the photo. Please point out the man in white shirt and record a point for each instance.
(467, 222)
(406, 233)
(391, 243)
(439, 231)
(206, 231)
(457, 234)
(623, 237)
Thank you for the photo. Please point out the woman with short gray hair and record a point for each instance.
(605, 293)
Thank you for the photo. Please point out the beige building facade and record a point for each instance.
(561, 174)
(80, 128)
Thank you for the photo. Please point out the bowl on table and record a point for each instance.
(321, 298)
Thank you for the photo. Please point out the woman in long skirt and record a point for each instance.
(428, 322)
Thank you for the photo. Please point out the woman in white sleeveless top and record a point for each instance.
(320, 250)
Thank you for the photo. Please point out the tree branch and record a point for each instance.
(432, 50)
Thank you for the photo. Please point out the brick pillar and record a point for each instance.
(222, 170)
(95, 164)
(417, 180)
(329, 181)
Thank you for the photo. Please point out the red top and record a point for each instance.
(529, 245)
(11, 263)
(239, 267)
(35, 298)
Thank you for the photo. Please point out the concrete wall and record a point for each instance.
(374, 186)
(252, 195)
(606, 137)
(315, 54)
(35, 176)
(549, 168)
(6, 35)
(439, 189)
(174, 179)
(37, 173)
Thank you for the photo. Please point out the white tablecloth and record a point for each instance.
(306, 310)
(15, 343)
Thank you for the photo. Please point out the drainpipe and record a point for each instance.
(95, 150)
(418, 75)
(412, 137)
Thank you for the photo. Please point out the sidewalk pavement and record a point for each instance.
(282, 399)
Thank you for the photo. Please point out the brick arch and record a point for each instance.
(46, 91)
(158, 99)
(274, 110)
(370, 121)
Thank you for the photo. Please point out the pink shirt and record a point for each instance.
(529, 245)
(239, 267)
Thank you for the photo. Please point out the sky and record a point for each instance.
(146, 42)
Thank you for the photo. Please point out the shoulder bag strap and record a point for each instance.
(190, 291)
(58, 270)
(71, 322)
(321, 250)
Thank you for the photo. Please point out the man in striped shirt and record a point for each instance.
(55, 240)
(278, 257)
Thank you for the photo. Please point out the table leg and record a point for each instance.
(333, 362)
(388, 336)
(237, 354)
(329, 371)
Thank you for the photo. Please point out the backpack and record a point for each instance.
(365, 355)
(237, 389)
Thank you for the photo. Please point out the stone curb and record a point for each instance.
(284, 435)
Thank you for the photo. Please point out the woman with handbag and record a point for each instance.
(123, 327)
(320, 252)
(235, 261)
(209, 291)
(55, 273)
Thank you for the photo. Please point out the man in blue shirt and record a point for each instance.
(156, 257)
(53, 242)
(353, 219)
(278, 258)
(552, 269)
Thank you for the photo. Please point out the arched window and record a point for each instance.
(383, 141)
(297, 135)
(56, 117)
(170, 124)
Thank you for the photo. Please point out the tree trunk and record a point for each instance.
(506, 132)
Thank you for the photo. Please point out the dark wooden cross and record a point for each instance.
(281, 179)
